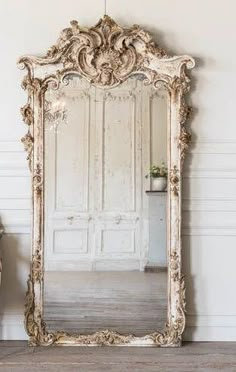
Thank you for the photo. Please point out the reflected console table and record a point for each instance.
(157, 255)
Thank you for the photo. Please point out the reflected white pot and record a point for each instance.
(159, 184)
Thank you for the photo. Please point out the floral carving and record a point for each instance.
(185, 137)
(37, 178)
(32, 85)
(184, 141)
(106, 55)
(27, 114)
(174, 266)
(37, 265)
(185, 112)
(180, 84)
(28, 143)
(174, 180)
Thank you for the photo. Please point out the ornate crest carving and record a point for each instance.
(106, 55)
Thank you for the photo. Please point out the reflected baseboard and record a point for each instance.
(155, 269)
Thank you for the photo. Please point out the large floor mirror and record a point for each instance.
(105, 253)
(106, 142)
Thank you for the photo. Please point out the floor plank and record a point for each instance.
(207, 357)
(85, 302)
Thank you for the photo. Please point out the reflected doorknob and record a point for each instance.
(118, 219)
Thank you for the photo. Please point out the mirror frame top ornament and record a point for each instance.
(106, 55)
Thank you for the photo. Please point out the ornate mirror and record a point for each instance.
(106, 142)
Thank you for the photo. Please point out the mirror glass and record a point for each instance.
(105, 255)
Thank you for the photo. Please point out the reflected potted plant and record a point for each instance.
(158, 175)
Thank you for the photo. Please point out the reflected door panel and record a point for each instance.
(105, 227)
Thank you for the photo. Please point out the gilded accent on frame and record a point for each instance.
(106, 55)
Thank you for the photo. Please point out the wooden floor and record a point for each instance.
(85, 302)
(207, 357)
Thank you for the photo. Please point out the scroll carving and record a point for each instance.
(106, 55)
(34, 325)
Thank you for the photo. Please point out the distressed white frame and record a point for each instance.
(106, 55)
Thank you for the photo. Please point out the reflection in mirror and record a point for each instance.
(105, 257)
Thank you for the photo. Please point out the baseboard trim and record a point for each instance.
(155, 269)
(96, 265)
(207, 334)
(210, 328)
(12, 327)
(199, 328)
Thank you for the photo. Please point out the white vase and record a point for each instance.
(159, 184)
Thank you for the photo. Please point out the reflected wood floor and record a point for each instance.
(206, 357)
(128, 302)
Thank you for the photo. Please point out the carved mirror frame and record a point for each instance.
(106, 55)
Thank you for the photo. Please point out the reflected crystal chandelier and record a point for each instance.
(55, 114)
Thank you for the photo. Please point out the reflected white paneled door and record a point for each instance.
(118, 177)
(95, 164)
(69, 186)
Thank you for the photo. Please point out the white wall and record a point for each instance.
(204, 29)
